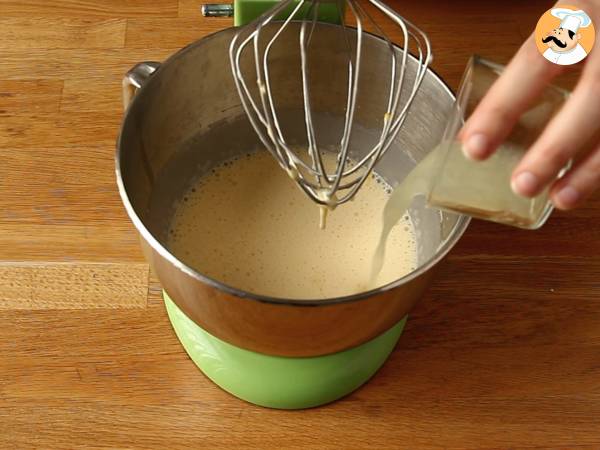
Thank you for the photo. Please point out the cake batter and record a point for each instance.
(246, 225)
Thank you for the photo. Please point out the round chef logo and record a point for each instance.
(565, 35)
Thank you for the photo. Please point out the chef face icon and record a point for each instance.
(565, 35)
(561, 40)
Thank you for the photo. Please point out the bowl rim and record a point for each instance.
(443, 249)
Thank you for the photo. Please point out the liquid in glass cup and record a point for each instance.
(482, 189)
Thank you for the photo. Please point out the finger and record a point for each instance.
(573, 126)
(579, 183)
(522, 81)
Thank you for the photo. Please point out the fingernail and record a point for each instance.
(475, 147)
(524, 184)
(567, 196)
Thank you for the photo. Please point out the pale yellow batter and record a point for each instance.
(249, 226)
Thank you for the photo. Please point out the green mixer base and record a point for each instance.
(246, 11)
(276, 381)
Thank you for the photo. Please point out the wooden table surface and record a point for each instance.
(504, 351)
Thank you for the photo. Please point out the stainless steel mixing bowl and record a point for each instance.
(186, 118)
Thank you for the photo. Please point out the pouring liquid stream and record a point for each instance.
(416, 183)
(478, 188)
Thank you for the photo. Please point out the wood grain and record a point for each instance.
(42, 242)
(38, 96)
(32, 286)
(17, 33)
(503, 352)
(564, 232)
(88, 8)
(91, 95)
(67, 129)
(76, 187)
(141, 33)
(61, 64)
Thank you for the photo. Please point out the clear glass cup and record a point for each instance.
(482, 188)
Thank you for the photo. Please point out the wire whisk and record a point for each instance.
(328, 188)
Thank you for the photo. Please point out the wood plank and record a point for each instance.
(88, 8)
(28, 33)
(497, 301)
(565, 233)
(92, 95)
(64, 130)
(70, 243)
(72, 185)
(219, 423)
(63, 64)
(52, 285)
(454, 315)
(506, 373)
(145, 33)
(100, 334)
(35, 96)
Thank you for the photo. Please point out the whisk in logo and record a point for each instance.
(565, 35)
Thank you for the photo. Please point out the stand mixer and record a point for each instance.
(187, 116)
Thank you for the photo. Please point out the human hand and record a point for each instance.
(573, 128)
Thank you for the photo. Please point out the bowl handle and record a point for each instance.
(135, 79)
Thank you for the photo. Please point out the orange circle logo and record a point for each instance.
(565, 35)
